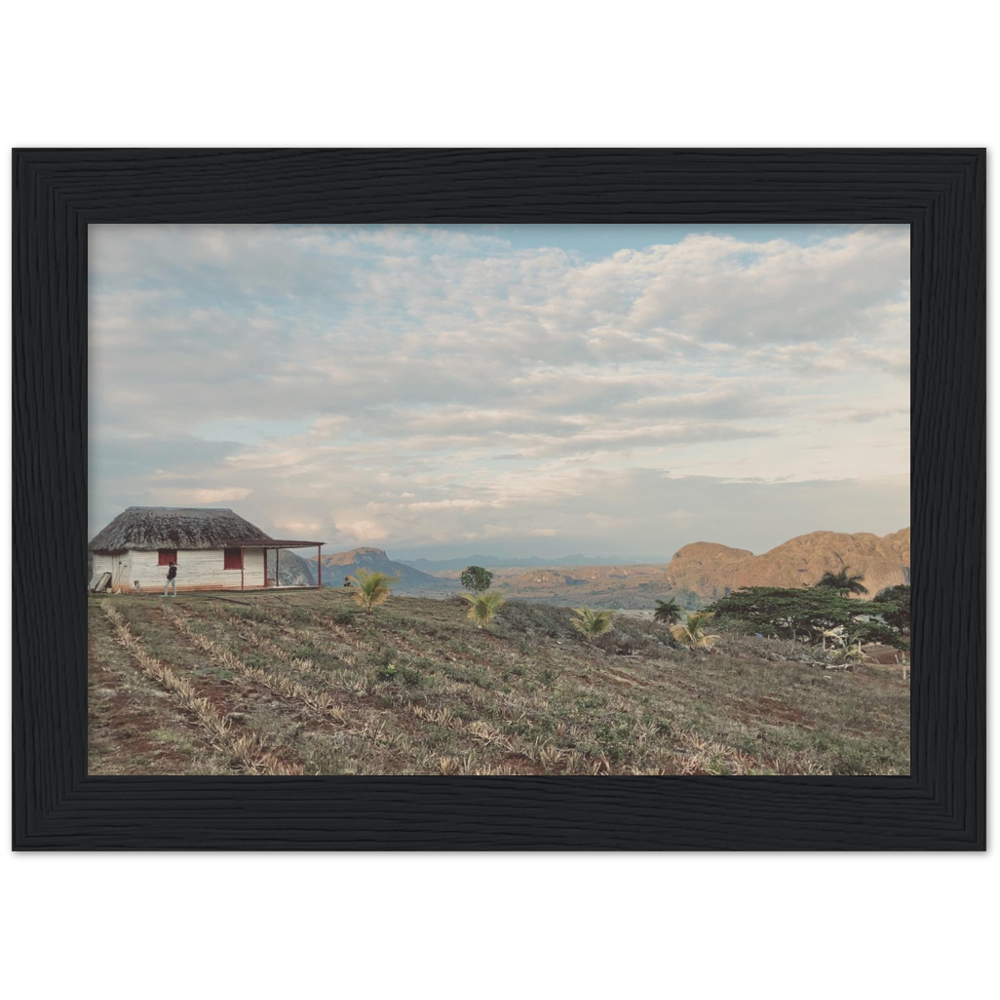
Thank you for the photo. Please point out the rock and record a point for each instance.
(712, 570)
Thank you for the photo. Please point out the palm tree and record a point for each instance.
(373, 588)
(667, 612)
(592, 623)
(484, 607)
(692, 634)
(843, 583)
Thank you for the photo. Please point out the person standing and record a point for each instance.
(171, 579)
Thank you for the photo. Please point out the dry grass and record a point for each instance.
(303, 682)
(248, 748)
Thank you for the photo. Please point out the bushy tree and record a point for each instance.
(484, 607)
(874, 629)
(476, 579)
(806, 613)
(373, 588)
(592, 623)
(897, 603)
(782, 613)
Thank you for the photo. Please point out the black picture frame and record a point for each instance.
(939, 193)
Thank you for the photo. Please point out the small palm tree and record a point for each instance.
(373, 588)
(667, 612)
(843, 583)
(691, 632)
(484, 607)
(592, 623)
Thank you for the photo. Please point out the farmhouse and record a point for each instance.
(214, 549)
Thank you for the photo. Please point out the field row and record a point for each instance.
(308, 685)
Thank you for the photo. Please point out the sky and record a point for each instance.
(616, 391)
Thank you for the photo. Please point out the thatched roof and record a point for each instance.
(148, 528)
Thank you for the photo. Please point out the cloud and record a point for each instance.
(361, 530)
(298, 528)
(197, 497)
(400, 382)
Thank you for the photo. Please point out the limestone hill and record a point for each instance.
(711, 570)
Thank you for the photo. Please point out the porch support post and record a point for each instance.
(319, 566)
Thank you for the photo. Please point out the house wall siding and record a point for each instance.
(201, 569)
(118, 564)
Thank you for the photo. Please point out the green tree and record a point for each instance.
(668, 612)
(373, 588)
(805, 613)
(691, 632)
(476, 579)
(592, 623)
(784, 613)
(897, 602)
(872, 628)
(843, 582)
(484, 607)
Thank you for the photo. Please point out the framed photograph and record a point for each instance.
(58, 195)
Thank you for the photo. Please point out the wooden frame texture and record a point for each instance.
(941, 194)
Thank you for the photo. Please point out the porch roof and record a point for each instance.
(271, 543)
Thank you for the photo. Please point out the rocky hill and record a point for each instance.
(712, 570)
(293, 570)
(703, 571)
(372, 560)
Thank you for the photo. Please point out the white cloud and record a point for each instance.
(191, 497)
(299, 528)
(361, 530)
(432, 377)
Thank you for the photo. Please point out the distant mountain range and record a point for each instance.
(497, 562)
(698, 574)
(410, 581)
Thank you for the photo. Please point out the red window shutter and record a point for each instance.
(167, 556)
(233, 559)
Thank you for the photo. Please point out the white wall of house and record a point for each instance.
(117, 564)
(200, 569)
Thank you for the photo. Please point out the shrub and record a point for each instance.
(535, 619)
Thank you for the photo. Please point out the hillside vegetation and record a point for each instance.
(308, 683)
